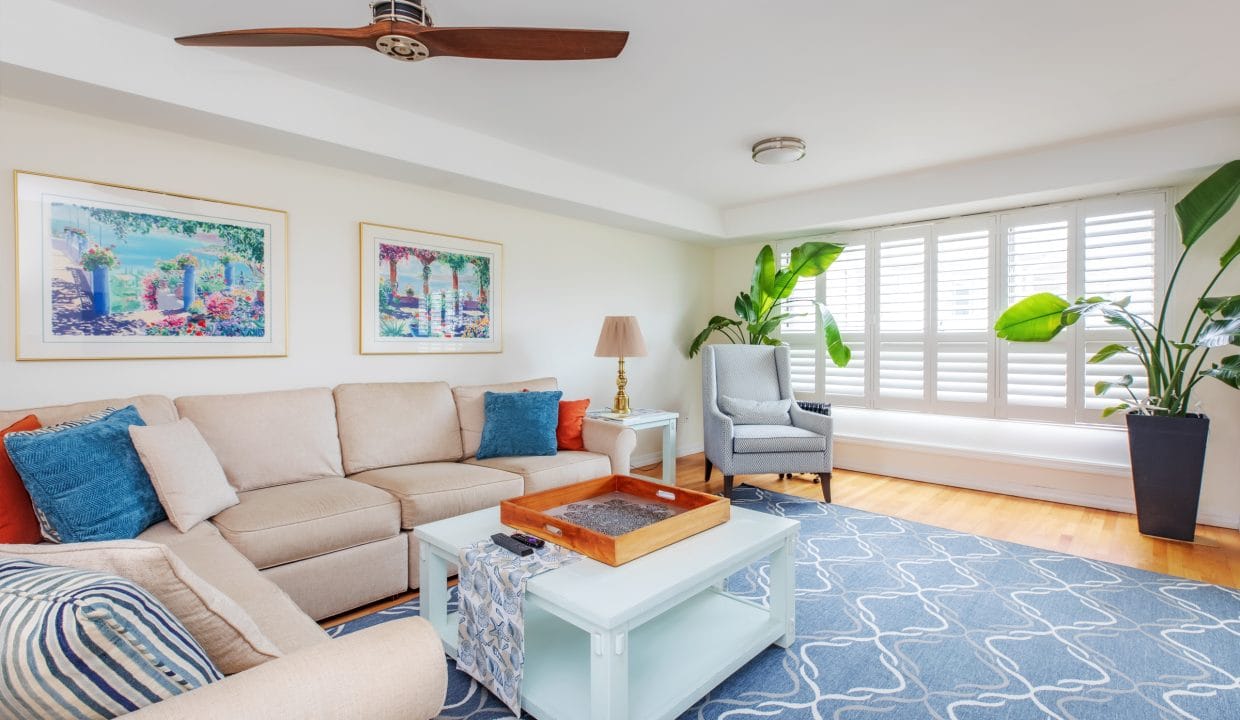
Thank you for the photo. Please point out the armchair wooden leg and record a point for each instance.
(826, 486)
(710, 467)
(727, 486)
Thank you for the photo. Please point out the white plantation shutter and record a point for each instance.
(917, 305)
(962, 301)
(802, 332)
(845, 296)
(1037, 259)
(1118, 260)
(902, 317)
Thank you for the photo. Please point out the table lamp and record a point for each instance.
(620, 338)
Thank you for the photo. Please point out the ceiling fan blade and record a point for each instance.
(490, 43)
(283, 37)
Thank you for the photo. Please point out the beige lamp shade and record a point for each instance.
(620, 338)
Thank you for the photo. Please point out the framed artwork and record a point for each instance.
(424, 292)
(107, 272)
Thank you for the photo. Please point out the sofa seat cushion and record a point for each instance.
(775, 439)
(552, 471)
(287, 523)
(435, 491)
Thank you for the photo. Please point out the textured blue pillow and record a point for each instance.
(86, 479)
(79, 644)
(519, 423)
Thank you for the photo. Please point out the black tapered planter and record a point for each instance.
(1168, 458)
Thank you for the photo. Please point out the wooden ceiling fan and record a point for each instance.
(402, 29)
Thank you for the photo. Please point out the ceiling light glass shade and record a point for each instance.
(778, 151)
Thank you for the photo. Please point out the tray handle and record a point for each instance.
(665, 494)
(553, 530)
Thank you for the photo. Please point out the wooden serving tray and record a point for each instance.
(700, 511)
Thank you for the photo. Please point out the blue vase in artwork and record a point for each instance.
(101, 291)
(187, 287)
(228, 275)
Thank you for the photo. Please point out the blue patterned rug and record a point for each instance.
(899, 620)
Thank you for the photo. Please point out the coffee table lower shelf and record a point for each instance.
(672, 659)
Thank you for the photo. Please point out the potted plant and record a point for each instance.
(760, 311)
(1166, 440)
(99, 261)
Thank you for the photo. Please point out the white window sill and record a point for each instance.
(1081, 448)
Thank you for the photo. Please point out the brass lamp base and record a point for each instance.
(620, 405)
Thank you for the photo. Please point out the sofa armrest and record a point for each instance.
(823, 425)
(611, 439)
(393, 671)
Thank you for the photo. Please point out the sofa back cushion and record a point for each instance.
(388, 424)
(271, 438)
(154, 409)
(471, 406)
(89, 645)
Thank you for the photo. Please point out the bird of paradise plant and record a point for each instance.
(760, 311)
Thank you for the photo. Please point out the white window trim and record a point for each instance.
(1075, 338)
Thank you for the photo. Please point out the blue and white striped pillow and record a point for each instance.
(78, 644)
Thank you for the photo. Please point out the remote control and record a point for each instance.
(511, 545)
(534, 542)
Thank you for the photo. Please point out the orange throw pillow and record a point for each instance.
(568, 432)
(17, 521)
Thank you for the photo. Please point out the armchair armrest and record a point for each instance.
(611, 439)
(393, 671)
(718, 436)
(823, 425)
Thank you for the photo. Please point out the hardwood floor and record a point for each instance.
(1097, 534)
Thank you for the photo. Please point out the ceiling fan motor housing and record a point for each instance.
(401, 11)
(401, 47)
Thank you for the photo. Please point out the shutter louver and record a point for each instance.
(1119, 261)
(804, 362)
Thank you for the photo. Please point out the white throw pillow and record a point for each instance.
(756, 412)
(188, 478)
(226, 632)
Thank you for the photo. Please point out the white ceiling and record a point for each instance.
(877, 87)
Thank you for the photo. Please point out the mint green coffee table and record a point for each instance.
(643, 641)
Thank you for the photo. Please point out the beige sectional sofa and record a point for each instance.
(331, 484)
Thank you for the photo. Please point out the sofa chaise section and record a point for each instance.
(299, 520)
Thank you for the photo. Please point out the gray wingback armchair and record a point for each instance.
(740, 375)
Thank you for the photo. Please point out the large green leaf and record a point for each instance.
(1037, 318)
(764, 268)
(1232, 253)
(805, 260)
(1109, 352)
(1227, 370)
(743, 306)
(1226, 305)
(1218, 333)
(1208, 202)
(840, 353)
(716, 324)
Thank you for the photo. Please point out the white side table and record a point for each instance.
(644, 419)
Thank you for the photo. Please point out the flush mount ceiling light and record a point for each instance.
(778, 150)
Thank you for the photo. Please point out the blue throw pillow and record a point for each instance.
(519, 423)
(86, 479)
(79, 644)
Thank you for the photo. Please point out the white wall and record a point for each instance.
(1063, 463)
(561, 276)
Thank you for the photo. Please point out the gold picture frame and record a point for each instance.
(423, 292)
(105, 271)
